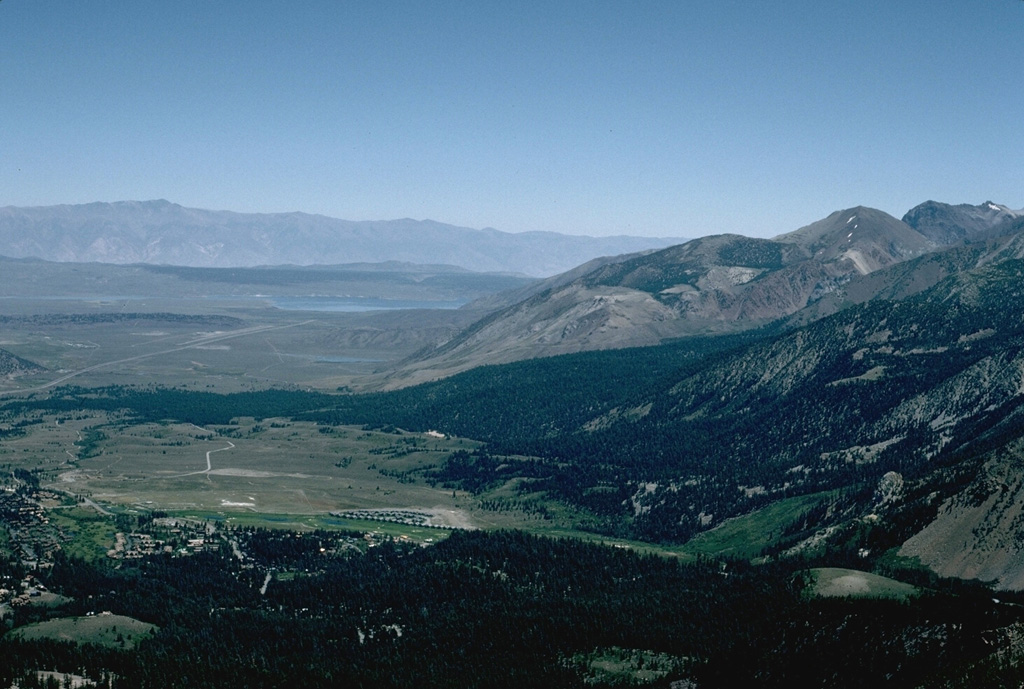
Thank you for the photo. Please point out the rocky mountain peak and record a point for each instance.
(947, 224)
(866, 237)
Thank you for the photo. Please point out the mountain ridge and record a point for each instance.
(715, 284)
(945, 223)
(167, 233)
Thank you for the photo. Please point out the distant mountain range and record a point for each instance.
(726, 283)
(161, 232)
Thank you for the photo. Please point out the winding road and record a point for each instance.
(209, 464)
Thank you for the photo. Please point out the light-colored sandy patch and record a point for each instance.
(859, 260)
(446, 516)
(64, 679)
(679, 289)
(979, 335)
(872, 374)
(860, 454)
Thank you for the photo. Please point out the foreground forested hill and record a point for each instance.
(501, 610)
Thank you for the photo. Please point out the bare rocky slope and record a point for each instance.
(977, 532)
(866, 238)
(946, 224)
(12, 366)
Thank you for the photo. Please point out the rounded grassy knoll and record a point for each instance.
(104, 629)
(852, 583)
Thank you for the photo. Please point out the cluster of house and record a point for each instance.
(18, 511)
(177, 536)
(31, 533)
(136, 545)
(395, 516)
(16, 593)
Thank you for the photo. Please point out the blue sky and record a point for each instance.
(678, 118)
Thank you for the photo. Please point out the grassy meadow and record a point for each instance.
(747, 535)
(274, 473)
(280, 473)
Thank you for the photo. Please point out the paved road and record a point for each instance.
(90, 503)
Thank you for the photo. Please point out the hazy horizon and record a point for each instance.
(650, 119)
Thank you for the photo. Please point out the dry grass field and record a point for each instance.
(236, 347)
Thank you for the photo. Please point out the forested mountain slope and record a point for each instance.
(705, 434)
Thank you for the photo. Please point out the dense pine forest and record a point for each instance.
(499, 609)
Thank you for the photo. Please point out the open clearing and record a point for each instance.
(279, 473)
(852, 583)
(274, 466)
(749, 534)
(113, 631)
(272, 472)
